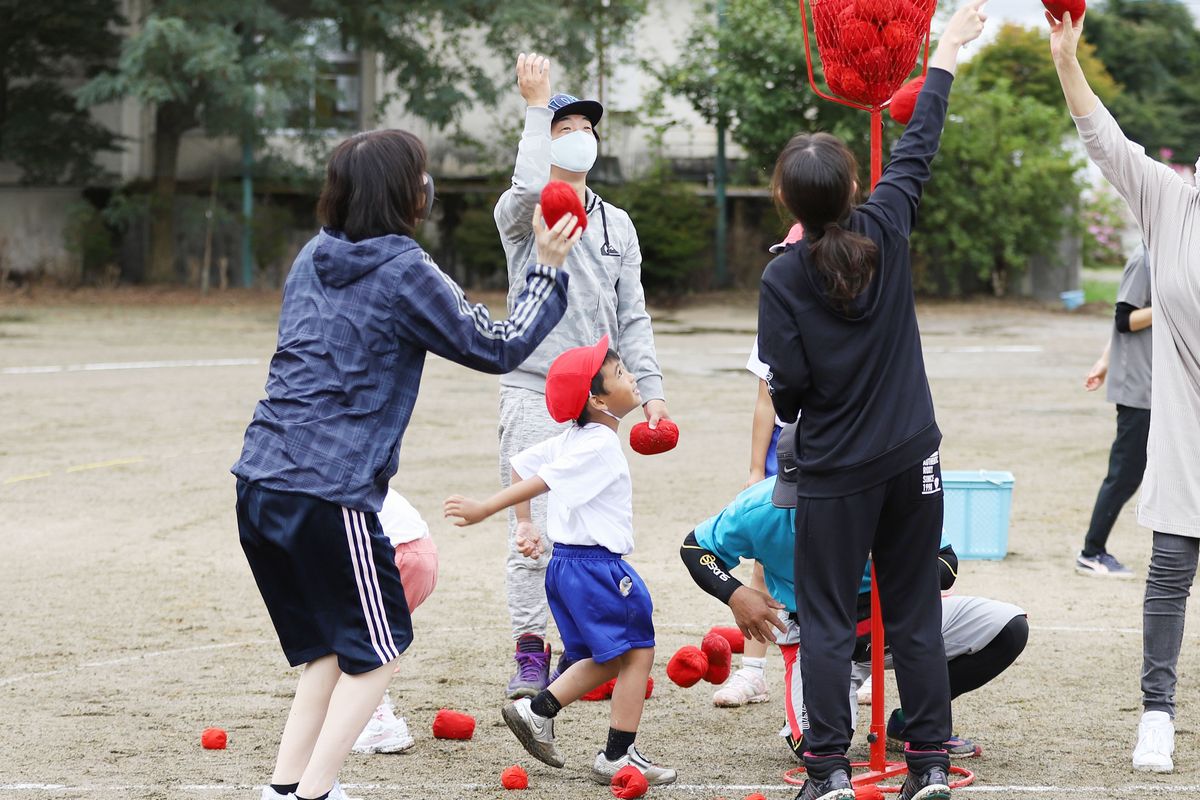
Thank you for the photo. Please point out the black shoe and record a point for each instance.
(835, 787)
(932, 784)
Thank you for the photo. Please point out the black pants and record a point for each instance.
(900, 524)
(1126, 463)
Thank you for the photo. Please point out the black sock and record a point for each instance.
(619, 743)
(545, 704)
(284, 788)
(971, 671)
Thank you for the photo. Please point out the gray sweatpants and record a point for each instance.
(524, 421)
(1168, 584)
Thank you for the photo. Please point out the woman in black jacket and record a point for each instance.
(838, 329)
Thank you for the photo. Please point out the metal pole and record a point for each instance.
(719, 176)
(247, 213)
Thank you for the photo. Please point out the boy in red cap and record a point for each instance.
(600, 604)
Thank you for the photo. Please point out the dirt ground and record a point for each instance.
(130, 620)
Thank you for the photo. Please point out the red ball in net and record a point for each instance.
(846, 81)
(453, 725)
(651, 442)
(688, 666)
(213, 739)
(858, 35)
(879, 12)
(559, 199)
(1059, 7)
(514, 777)
(904, 101)
(629, 783)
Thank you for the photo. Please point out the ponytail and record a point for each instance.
(813, 182)
(845, 260)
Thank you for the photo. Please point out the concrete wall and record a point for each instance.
(32, 227)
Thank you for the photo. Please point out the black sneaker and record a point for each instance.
(932, 784)
(835, 787)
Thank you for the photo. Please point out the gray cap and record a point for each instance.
(784, 495)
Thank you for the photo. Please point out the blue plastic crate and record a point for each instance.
(978, 504)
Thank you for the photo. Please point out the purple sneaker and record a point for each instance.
(562, 666)
(533, 667)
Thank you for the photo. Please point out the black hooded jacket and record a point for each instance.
(858, 372)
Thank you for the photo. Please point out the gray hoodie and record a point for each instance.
(605, 294)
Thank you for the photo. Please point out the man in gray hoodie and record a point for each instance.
(605, 297)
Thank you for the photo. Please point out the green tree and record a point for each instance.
(43, 45)
(1151, 48)
(1004, 189)
(237, 67)
(1021, 57)
(751, 71)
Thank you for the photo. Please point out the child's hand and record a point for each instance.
(467, 511)
(529, 540)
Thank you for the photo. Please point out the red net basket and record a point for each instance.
(868, 47)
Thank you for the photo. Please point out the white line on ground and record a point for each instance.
(1156, 788)
(1010, 348)
(122, 365)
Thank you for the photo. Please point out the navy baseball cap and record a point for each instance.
(565, 104)
(784, 495)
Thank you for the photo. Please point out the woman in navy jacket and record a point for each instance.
(838, 329)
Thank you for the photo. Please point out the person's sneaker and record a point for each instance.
(956, 746)
(533, 667)
(743, 687)
(270, 794)
(385, 732)
(535, 733)
(603, 770)
(1155, 743)
(338, 793)
(562, 666)
(836, 787)
(1102, 565)
(865, 692)
(932, 784)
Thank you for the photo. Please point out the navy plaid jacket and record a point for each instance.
(356, 323)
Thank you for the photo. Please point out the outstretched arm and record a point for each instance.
(463, 511)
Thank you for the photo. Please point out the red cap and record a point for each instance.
(569, 380)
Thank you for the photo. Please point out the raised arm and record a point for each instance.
(1139, 179)
(898, 192)
(636, 334)
(532, 171)
(435, 312)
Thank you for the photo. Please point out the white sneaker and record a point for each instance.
(335, 793)
(1155, 744)
(270, 794)
(338, 793)
(744, 686)
(385, 733)
(603, 770)
(864, 693)
(536, 733)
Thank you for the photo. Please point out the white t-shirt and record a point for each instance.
(401, 522)
(760, 369)
(591, 493)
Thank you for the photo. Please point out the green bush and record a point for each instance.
(674, 227)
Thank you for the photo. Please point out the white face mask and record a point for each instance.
(575, 152)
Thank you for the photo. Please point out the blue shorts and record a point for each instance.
(600, 604)
(772, 465)
(328, 576)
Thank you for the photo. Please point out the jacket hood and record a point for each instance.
(339, 262)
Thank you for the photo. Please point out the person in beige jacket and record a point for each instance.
(1167, 210)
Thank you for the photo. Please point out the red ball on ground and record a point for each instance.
(868, 792)
(737, 642)
(558, 199)
(720, 656)
(453, 725)
(649, 687)
(602, 692)
(651, 442)
(514, 777)
(213, 739)
(1059, 7)
(629, 783)
(755, 796)
(904, 101)
(688, 666)
(717, 673)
